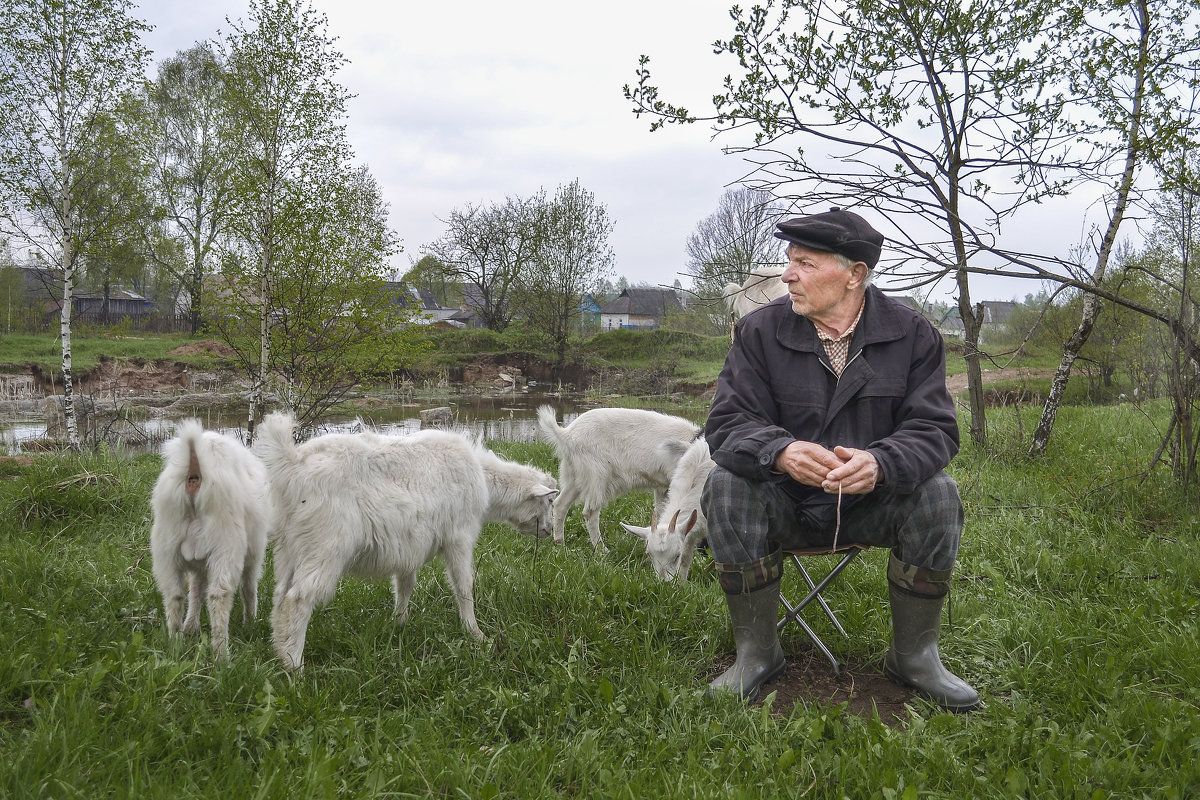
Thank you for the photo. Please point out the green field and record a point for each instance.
(1074, 613)
(88, 347)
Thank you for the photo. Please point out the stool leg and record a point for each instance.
(814, 593)
(793, 615)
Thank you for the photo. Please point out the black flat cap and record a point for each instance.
(835, 231)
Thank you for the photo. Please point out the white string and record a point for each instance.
(838, 526)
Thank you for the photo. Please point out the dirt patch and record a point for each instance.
(120, 377)
(204, 347)
(809, 680)
(15, 462)
(958, 383)
(688, 389)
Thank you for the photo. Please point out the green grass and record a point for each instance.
(1074, 613)
(640, 362)
(679, 355)
(633, 356)
(89, 345)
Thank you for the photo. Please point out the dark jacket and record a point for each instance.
(777, 386)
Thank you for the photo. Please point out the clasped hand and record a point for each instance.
(846, 469)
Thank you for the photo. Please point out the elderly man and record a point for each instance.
(833, 401)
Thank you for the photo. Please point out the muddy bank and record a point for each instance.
(129, 399)
(115, 383)
(123, 377)
(120, 378)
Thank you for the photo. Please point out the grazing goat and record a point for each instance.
(672, 547)
(518, 494)
(607, 452)
(372, 506)
(211, 510)
(763, 285)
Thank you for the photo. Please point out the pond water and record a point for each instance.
(504, 418)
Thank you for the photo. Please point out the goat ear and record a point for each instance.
(639, 532)
(542, 491)
(691, 523)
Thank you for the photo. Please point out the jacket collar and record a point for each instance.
(879, 323)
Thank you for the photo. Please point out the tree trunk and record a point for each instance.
(1091, 303)
(1087, 321)
(195, 288)
(264, 329)
(1183, 369)
(972, 321)
(69, 417)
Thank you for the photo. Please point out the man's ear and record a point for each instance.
(858, 274)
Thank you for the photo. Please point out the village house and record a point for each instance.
(42, 288)
(422, 301)
(639, 309)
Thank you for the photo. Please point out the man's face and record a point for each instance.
(818, 285)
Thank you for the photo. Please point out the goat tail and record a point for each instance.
(184, 453)
(548, 424)
(275, 443)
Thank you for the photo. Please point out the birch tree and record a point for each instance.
(1139, 77)
(289, 113)
(65, 68)
(1166, 264)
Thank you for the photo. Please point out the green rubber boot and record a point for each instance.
(913, 658)
(754, 610)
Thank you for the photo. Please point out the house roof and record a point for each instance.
(643, 303)
(406, 296)
(951, 325)
(588, 304)
(997, 312)
(39, 281)
(472, 296)
(115, 293)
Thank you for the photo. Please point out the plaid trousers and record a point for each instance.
(923, 529)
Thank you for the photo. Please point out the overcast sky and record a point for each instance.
(471, 101)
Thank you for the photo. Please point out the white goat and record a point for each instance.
(211, 510)
(372, 506)
(763, 285)
(672, 547)
(519, 494)
(607, 452)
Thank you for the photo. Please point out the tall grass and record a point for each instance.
(1074, 614)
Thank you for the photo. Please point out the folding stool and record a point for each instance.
(848, 553)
